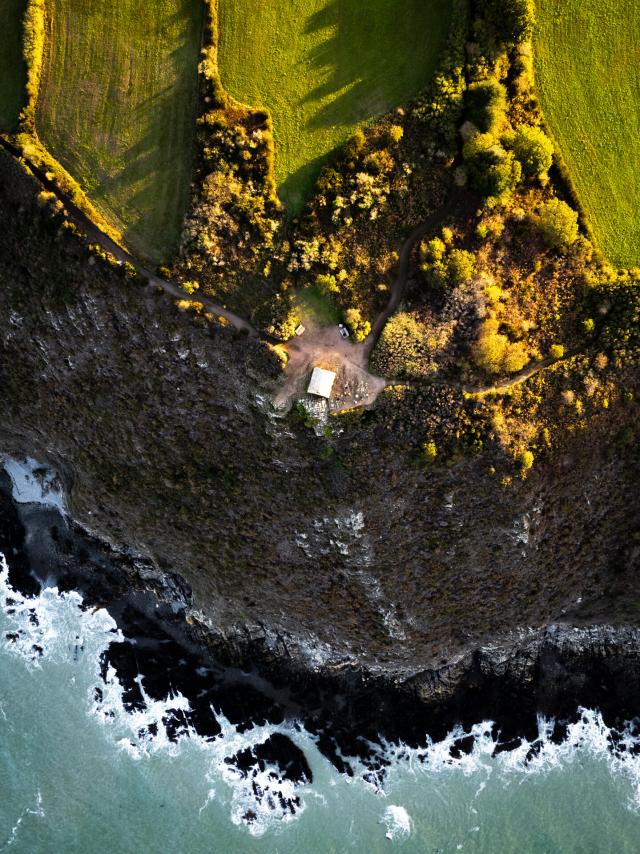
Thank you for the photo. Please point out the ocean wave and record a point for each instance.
(253, 765)
(262, 773)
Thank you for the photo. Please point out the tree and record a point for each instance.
(492, 170)
(512, 20)
(534, 150)
(360, 328)
(558, 224)
(461, 266)
(486, 104)
(494, 353)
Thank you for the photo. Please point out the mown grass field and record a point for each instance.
(13, 71)
(117, 108)
(323, 67)
(588, 68)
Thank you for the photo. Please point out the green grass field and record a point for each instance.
(588, 56)
(117, 108)
(13, 71)
(323, 67)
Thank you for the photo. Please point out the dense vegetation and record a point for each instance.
(13, 72)
(117, 108)
(511, 327)
(587, 65)
(321, 68)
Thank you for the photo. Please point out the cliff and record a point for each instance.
(341, 554)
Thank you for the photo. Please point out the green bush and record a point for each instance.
(461, 266)
(486, 104)
(359, 327)
(558, 224)
(534, 150)
(493, 353)
(511, 20)
(492, 171)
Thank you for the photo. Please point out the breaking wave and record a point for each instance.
(261, 788)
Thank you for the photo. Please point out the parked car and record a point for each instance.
(344, 332)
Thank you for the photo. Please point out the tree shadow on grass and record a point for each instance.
(368, 56)
(296, 188)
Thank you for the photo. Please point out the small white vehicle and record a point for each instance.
(344, 332)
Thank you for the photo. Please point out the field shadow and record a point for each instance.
(150, 183)
(294, 190)
(365, 56)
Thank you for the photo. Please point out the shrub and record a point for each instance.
(534, 150)
(461, 266)
(429, 451)
(327, 284)
(354, 146)
(402, 348)
(512, 20)
(360, 328)
(486, 104)
(494, 353)
(489, 349)
(556, 351)
(526, 460)
(515, 358)
(558, 224)
(492, 170)
(379, 162)
(433, 250)
(396, 132)
(33, 51)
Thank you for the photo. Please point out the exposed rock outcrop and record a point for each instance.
(339, 556)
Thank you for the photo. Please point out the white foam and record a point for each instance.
(36, 811)
(35, 484)
(397, 821)
(54, 625)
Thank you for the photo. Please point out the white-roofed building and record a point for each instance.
(321, 382)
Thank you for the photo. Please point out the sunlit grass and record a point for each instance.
(118, 106)
(588, 55)
(322, 67)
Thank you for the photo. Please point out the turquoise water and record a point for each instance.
(75, 776)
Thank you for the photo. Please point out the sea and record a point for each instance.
(80, 772)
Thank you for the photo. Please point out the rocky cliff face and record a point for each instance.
(341, 553)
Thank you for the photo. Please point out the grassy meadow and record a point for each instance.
(323, 67)
(13, 71)
(117, 108)
(588, 61)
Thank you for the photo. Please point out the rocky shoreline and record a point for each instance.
(252, 679)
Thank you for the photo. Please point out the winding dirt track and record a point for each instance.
(454, 201)
(96, 235)
(306, 348)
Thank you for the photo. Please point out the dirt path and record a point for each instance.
(455, 201)
(96, 235)
(322, 346)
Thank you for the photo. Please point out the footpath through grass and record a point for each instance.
(13, 71)
(117, 108)
(323, 67)
(588, 67)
